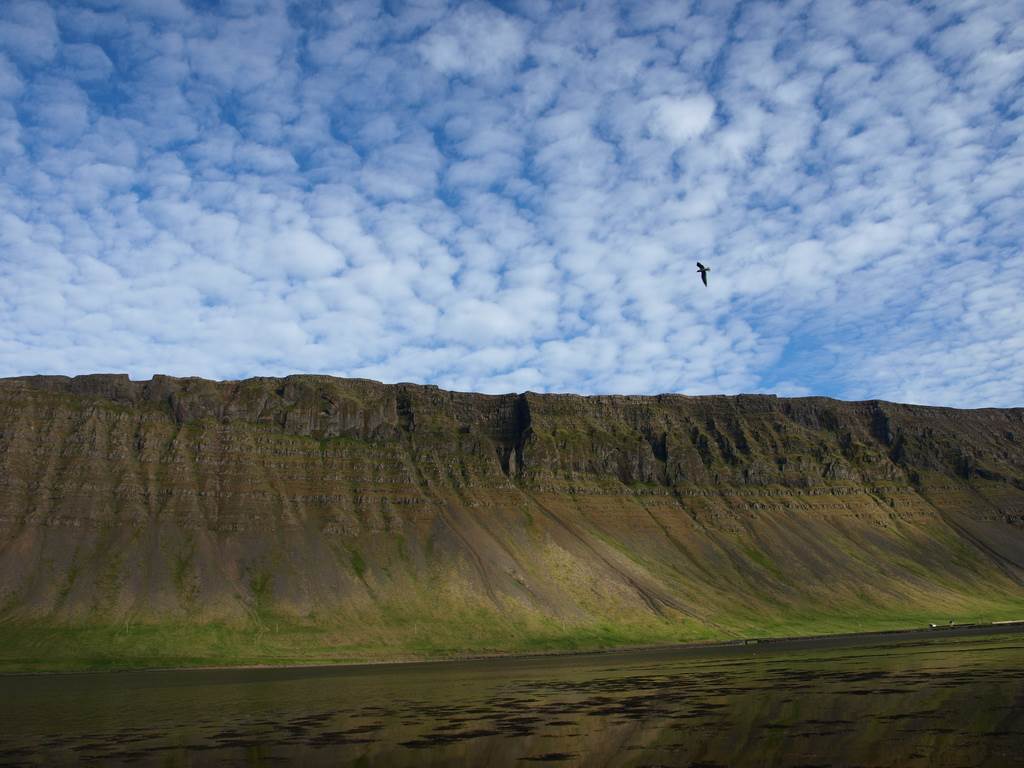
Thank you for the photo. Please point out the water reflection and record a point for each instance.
(927, 701)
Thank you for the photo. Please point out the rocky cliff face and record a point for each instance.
(373, 509)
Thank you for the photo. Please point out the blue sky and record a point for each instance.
(512, 196)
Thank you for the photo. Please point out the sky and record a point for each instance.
(513, 196)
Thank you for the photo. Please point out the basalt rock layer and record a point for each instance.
(398, 515)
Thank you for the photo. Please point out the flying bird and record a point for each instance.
(703, 272)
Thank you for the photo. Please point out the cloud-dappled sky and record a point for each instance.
(512, 196)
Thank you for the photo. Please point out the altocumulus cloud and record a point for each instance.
(510, 196)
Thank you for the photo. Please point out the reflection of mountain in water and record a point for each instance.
(313, 518)
(937, 702)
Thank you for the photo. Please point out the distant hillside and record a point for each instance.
(180, 521)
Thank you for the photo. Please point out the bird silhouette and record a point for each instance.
(703, 272)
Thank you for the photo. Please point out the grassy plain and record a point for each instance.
(280, 641)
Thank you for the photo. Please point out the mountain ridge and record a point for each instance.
(403, 520)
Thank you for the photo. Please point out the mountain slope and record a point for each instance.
(314, 518)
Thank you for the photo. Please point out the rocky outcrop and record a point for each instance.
(335, 500)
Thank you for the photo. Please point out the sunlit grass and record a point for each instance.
(404, 635)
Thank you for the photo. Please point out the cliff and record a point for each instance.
(315, 518)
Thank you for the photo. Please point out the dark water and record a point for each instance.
(928, 700)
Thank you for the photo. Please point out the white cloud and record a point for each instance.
(475, 39)
(303, 254)
(28, 30)
(86, 62)
(681, 120)
(11, 83)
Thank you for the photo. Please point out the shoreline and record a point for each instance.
(753, 644)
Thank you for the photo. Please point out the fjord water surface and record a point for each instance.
(938, 699)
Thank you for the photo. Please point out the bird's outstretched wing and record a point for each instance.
(701, 267)
(704, 277)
